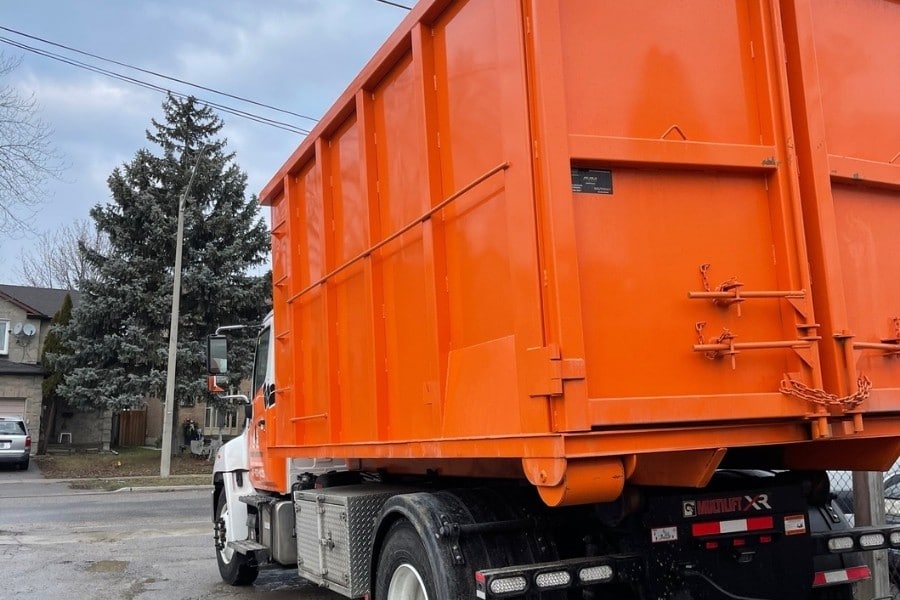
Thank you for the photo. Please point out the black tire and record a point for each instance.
(235, 568)
(841, 592)
(404, 572)
(24, 464)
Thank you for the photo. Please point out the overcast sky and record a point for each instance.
(298, 55)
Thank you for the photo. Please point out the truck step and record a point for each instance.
(256, 499)
(260, 552)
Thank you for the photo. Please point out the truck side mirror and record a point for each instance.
(216, 354)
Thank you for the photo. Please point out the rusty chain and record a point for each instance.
(726, 337)
(704, 271)
(725, 286)
(792, 387)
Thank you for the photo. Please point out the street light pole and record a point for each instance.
(165, 463)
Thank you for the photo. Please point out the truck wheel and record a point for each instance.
(842, 592)
(403, 569)
(234, 567)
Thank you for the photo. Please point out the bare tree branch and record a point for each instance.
(27, 157)
(58, 258)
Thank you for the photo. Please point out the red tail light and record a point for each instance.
(28, 442)
(841, 576)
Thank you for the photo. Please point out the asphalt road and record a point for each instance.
(57, 543)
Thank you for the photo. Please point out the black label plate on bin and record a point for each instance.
(591, 181)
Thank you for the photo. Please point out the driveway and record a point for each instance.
(25, 484)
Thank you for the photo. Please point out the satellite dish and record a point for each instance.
(29, 329)
(17, 329)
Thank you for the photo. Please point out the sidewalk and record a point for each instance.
(173, 478)
(33, 477)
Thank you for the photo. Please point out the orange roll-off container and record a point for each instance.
(590, 243)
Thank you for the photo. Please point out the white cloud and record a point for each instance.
(95, 95)
(295, 54)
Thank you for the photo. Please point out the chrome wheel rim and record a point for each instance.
(406, 584)
(221, 534)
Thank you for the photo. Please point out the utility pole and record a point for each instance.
(868, 508)
(165, 463)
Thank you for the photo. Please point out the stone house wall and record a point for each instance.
(88, 428)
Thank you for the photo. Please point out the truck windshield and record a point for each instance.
(261, 362)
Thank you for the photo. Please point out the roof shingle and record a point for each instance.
(41, 303)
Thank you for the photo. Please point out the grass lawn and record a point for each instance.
(127, 462)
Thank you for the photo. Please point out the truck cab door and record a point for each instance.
(265, 473)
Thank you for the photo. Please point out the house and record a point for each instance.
(25, 315)
(213, 421)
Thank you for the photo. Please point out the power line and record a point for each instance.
(112, 74)
(155, 74)
(394, 4)
(151, 86)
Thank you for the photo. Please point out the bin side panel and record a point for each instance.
(858, 59)
(469, 100)
(870, 253)
(401, 336)
(282, 263)
(410, 327)
(310, 337)
(682, 140)
(636, 69)
(488, 233)
(351, 211)
(639, 252)
(354, 409)
(311, 400)
(846, 67)
(315, 223)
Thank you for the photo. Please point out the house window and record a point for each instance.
(4, 336)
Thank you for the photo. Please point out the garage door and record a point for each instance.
(12, 407)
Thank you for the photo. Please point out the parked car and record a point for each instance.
(15, 443)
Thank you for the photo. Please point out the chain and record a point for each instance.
(725, 338)
(699, 328)
(704, 270)
(725, 286)
(792, 387)
(728, 284)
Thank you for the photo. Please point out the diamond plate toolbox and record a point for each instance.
(334, 534)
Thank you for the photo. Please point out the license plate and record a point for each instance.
(5, 445)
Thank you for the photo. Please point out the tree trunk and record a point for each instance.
(47, 426)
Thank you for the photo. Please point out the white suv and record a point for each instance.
(15, 443)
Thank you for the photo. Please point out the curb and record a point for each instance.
(158, 488)
(52, 481)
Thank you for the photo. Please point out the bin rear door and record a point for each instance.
(689, 297)
(844, 61)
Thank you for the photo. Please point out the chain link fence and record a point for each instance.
(842, 488)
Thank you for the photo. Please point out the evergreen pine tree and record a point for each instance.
(53, 347)
(119, 331)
